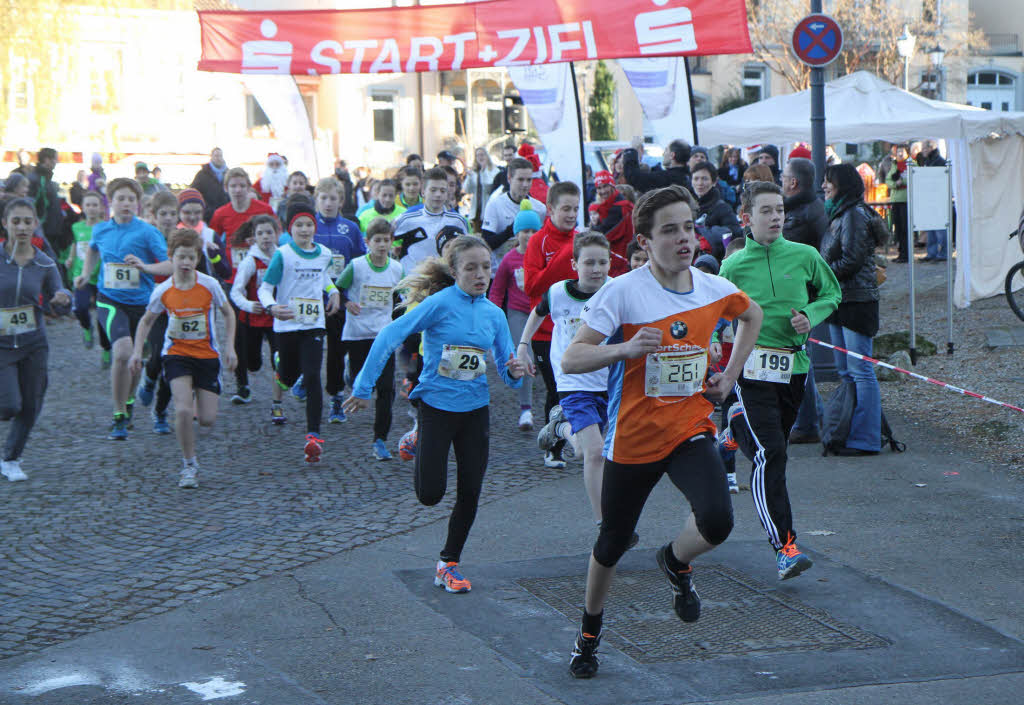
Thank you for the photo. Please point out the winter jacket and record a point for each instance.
(548, 260)
(897, 191)
(848, 247)
(43, 191)
(732, 174)
(214, 195)
(717, 212)
(806, 221)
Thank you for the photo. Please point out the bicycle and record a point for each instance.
(1016, 299)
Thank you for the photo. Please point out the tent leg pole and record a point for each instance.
(949, 265)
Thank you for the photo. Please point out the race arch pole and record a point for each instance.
(693, 107)
(579, 124)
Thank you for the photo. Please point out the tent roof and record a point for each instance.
(859, 107)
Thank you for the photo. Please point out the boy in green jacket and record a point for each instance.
(797, 290)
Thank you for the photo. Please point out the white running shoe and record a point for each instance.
(526, 420)
(11, 469)
(734, 487)
(188, 477)
(552, 461)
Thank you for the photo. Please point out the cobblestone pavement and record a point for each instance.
(100, 534)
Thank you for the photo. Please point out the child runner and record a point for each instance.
(226, 220)
(189, 350)
(344, 239)
(190, 215)
(165, 216)
(581, 415)
(369, 283)
(548, 260)
(384, 206)
(299, 273)
(460, 325)
(797, 290)
(94, 210)
(410, 179)
(657, 321)
(416, 230)
(130, 251)
(254, 323)
(509, 282)
(27, 278)
(636, 255)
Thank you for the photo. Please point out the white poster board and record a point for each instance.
(928, 198)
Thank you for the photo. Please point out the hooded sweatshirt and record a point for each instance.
(548, 260)
(26, 287)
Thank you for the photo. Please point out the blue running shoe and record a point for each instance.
(299, 389)
(380, 450)
(160, 425)
(146, 390)
(337, 415)
(118, 429)
(790, 561)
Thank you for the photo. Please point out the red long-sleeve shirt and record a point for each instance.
(548, 261)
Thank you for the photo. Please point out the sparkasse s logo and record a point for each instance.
(667, 31)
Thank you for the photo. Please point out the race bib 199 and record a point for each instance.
(337, 266)
(675, 374)
(187, 327)
(462, 362)
(120, 276)
(307, 311)
(17, 320)
(769, 365)
(375, 296)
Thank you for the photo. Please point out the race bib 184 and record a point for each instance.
(307, 311)
(462, 362)
(675, 374)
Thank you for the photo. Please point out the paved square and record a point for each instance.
(832, 627)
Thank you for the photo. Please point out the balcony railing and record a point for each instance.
(1001, 45)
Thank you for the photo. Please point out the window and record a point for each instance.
(989, 78)
(254, 115)
(383, 107)
(986, 104)
(755, 86)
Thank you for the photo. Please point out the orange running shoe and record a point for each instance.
(449, 577)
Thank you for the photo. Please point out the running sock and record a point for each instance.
(674, 563)
(525, 407)
(563, 430)
(189, 461)
(592, 623)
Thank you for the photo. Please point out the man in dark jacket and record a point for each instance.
(348, 204)
(43, 190)
(209, 181)
(805, 222)
(935, 240)
(769, 157)
(676, 172)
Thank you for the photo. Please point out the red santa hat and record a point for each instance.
(604, 178)
(527, 152)
(801, 151)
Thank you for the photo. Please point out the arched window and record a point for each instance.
(992, 89)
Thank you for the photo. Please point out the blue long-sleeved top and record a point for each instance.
(449, 317)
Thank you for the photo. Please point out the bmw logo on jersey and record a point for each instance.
(678, 330)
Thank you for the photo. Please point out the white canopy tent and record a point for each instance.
(986, 151)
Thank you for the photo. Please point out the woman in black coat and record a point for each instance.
(848, 247)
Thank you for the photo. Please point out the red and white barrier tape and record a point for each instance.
(936, 382)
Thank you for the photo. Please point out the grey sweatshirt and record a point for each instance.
(32, 285)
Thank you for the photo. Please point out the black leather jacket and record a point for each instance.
(806, 221)
(848, 247)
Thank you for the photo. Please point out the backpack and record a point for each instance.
(837, 415)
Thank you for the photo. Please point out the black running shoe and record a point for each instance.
(584, 662)
(685, 600)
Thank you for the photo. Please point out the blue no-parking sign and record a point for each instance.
(817, 40)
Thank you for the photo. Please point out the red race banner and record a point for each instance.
(472, 35)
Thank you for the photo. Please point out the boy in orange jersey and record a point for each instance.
(190, 351)
(652, 327)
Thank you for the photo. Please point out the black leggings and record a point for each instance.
(542, 354)
(694, 467)
(899, 223)
(155, 363)
(357, 352)
(81, 305)
(469, 432)
(336, 349)
(302, 352)
(250, 359)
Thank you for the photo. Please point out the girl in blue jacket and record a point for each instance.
(459, 325)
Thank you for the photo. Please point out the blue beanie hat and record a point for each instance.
(708, 261)
(527, 219)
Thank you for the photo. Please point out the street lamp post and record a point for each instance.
(937, 54)
(905, 48)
